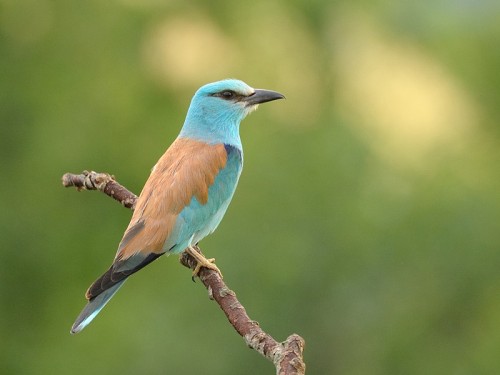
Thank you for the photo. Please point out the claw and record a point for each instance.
(201, 261)
(207, 263)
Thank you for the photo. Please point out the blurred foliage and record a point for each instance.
(367, 218)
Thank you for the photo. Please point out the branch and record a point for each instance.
(286, 356)
(103, 182)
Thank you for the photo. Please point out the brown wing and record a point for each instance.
(186, 170)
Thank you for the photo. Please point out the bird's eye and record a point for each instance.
(227, 94)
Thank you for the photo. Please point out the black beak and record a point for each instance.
(263, 96)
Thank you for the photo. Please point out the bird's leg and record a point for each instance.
(201, 261)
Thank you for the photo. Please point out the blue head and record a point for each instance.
(217, 109)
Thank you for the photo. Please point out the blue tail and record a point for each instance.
(94, 306)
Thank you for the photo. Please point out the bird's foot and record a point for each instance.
(201, 261)
(208, 263)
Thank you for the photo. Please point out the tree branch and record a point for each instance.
(103, 182)
(287, 356)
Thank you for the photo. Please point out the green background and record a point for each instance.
(367, 218)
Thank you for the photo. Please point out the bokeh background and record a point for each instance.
(367, 218)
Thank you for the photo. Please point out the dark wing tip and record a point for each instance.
(118, 272)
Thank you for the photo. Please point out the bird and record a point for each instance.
(188, 191)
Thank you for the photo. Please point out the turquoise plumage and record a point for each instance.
(188, 191)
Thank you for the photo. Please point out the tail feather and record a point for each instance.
(93, 307)
(105, 287)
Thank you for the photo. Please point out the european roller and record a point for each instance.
(188, 191)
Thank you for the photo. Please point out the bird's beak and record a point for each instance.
(262, 96)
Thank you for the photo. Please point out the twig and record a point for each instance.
(286, 356)
(103, 182)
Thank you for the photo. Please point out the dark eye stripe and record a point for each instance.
(228, 95)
